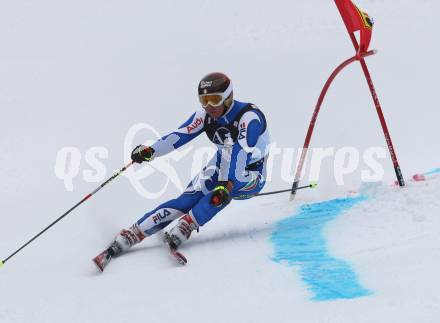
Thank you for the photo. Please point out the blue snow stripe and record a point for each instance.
(434, 171)
(299, 241)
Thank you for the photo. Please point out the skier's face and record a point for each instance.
(215, 112)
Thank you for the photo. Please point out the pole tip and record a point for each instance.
(313, 185)
(1, 263)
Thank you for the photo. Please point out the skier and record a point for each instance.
(237, 171)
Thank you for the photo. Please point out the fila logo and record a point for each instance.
(159, 217)
(194, 125)
(242, 131)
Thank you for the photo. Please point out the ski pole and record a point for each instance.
(312, 185)
(70, 210)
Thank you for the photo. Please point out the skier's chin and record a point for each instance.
(215, 115)
(216, 112)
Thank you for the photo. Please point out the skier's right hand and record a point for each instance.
(142, 153)
(221, 193)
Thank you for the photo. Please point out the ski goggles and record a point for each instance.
(215, 99)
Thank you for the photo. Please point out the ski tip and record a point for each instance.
(100, 269)
(181, 259)
(98, 264)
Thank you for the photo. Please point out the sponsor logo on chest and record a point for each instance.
(222, 136)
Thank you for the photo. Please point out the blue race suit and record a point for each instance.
(242, 139)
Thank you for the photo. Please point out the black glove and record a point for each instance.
(142, 153)
(221, 193)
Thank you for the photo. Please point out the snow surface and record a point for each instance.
(81, 73)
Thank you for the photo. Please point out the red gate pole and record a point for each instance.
(315, 116)
(383, 123)
(357, 20)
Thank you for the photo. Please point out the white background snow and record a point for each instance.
(81, 73)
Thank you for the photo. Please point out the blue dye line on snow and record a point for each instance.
(299, 241)
(435, 171)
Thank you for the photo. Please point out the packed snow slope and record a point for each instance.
(81, 74)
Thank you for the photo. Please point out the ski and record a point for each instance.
(102, 260)
(172, 247)
(181, 259)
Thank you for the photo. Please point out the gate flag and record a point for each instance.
(356, 20)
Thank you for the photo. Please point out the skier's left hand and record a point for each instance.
(221, 193)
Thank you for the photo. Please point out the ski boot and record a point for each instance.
(123, 241)
(177, 235)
